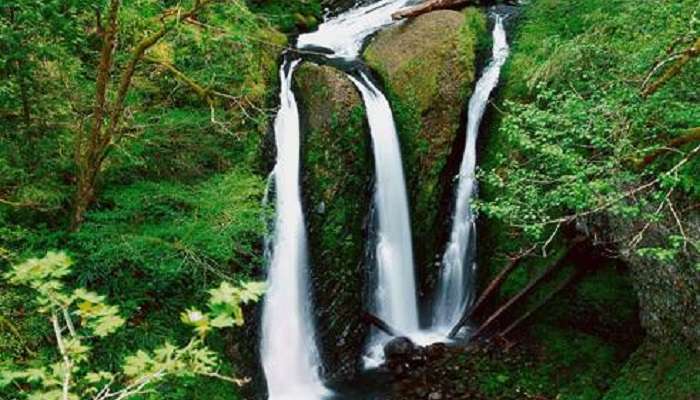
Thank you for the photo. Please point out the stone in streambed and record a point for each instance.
(400, 347)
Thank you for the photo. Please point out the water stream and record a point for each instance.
(288, 349)
(395, 292)
(456, 288)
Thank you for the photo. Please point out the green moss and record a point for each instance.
(656, 371)
(550, 363)
(427, 66)
(337, 196)
(289, 16)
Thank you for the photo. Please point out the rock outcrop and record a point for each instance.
(427, 66)
(668, 289)
(337, 176)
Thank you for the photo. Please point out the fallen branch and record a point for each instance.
(691, 135)
(432, 5)
(679, 61)
(380, 324)
(491, 289)
(525, 291)
(562, 285)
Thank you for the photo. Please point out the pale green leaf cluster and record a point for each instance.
(224, 307)
(71, 374)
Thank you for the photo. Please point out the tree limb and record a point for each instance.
(67, 362)
(204, 93)
(561, 286)
(680, 61)
(491, 289)
(380, 324)
(432, 5)
(526, 290)
(691, 135)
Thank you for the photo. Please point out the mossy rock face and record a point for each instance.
(667, 289)
(656, 371)
(427, 66)
(337, 178)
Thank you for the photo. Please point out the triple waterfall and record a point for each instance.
(289, 352)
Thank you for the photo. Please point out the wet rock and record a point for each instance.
(667, 289)
(400, 347)
(337, 174)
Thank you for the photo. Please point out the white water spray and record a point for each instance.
(345, 34)
(288, 349)
(455, 289)
(395, 294)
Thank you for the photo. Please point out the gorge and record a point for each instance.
(349, 200)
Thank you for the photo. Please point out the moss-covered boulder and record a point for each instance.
(427, 66)
(337, 178)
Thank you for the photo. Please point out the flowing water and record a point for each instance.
(455, 289)
(344, 35)
(288, 349)
(395, 294)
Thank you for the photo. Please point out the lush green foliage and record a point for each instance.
(70, 374)
(178, 205)
(658, 372)
(575, 124)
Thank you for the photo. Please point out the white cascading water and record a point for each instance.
(455, 289)
(288, 349)
(345, 34)
(395, 294)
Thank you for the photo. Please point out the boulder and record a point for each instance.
(427, 66)
(399, 348)
(337, 190)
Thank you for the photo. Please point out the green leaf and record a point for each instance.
(223, 321)
(224, 294)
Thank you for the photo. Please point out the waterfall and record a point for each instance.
(395, 294)
(288, 349)
(455, 289)
(395, 291)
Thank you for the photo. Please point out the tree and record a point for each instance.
(94, 143)
(80, 318)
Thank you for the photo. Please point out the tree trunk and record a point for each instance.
(490, 290)
(84, 195)
(433, 5)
